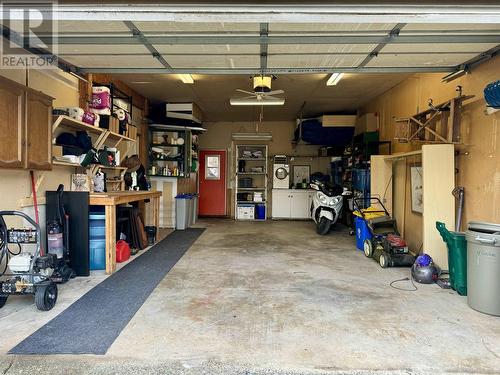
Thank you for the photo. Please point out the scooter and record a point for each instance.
(326, 205)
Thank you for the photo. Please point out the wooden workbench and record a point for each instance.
(112, 199)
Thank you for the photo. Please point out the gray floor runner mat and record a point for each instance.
(92, 323)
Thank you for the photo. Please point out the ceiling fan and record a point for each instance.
(261, 95)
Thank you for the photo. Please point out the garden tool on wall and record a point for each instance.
(458, 193)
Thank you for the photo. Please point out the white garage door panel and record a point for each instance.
(329, 27)
(419, 60)
(213, 61)
(320, 48)
(204, 49)
(172, 27)
(113, 61)
(90, 27)
(68, 49)
(449, 27)
(300, 61)
(439, 47)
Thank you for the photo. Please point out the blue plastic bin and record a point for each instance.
(362, 232)
(260, 212)
(97, 250)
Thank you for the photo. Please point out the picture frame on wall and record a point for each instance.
(417, 191)
(301, 173)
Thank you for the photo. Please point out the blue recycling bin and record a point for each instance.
(362, 232)
(260, 212)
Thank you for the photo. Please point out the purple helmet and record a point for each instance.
(423, 260)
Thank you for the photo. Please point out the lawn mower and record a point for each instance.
(30, 272)
(385, 244)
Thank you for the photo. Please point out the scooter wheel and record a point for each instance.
(3, 299)
(323, 227)
(46, 296)
(368, 248)
(384, 260)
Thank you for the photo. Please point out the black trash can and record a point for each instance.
(151, 234)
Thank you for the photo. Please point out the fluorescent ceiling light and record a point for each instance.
(252, 136)
(236, 101)
(334, 79)
(186, 78)
(453, 75)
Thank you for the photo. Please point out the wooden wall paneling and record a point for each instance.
(12, 119)
(381, 180)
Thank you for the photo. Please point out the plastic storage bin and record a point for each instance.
(97, 250)
(457, 257)
(260, 212)
(362, 232)
(483, 267)
(181, 212)
(97, 240)
(246, 212)
(97, 226)
(361, 179)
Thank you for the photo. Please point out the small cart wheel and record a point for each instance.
(368, 248)
(384, 260)
(45, 296)
(3, 299)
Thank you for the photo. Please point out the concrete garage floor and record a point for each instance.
(276, 298)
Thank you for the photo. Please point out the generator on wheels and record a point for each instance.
(385, 245)
(30, 272)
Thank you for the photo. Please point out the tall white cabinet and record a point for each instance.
(291, 203)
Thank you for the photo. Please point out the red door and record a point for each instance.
(212, 201)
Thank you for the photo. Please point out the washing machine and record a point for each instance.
(281, 172)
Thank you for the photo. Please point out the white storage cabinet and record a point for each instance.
(291, 203)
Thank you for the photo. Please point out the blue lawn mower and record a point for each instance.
(385, 245)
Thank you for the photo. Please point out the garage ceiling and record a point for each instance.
(304, 93)
(144, 42)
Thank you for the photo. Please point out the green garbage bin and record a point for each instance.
(457, 257)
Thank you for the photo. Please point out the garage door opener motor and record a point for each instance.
(30, 272)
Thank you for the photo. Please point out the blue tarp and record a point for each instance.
(314, 133)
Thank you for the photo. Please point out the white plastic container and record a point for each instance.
(246, 212)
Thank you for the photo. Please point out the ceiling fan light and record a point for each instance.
(186, 78)
(334, 79)
(262, 83)
(236, 101)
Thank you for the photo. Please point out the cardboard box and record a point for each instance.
(338, 120)
(366, 123)
(57, 150)
(184, 111)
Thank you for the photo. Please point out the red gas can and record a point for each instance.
(122, 251)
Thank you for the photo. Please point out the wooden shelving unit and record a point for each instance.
(100, 137)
